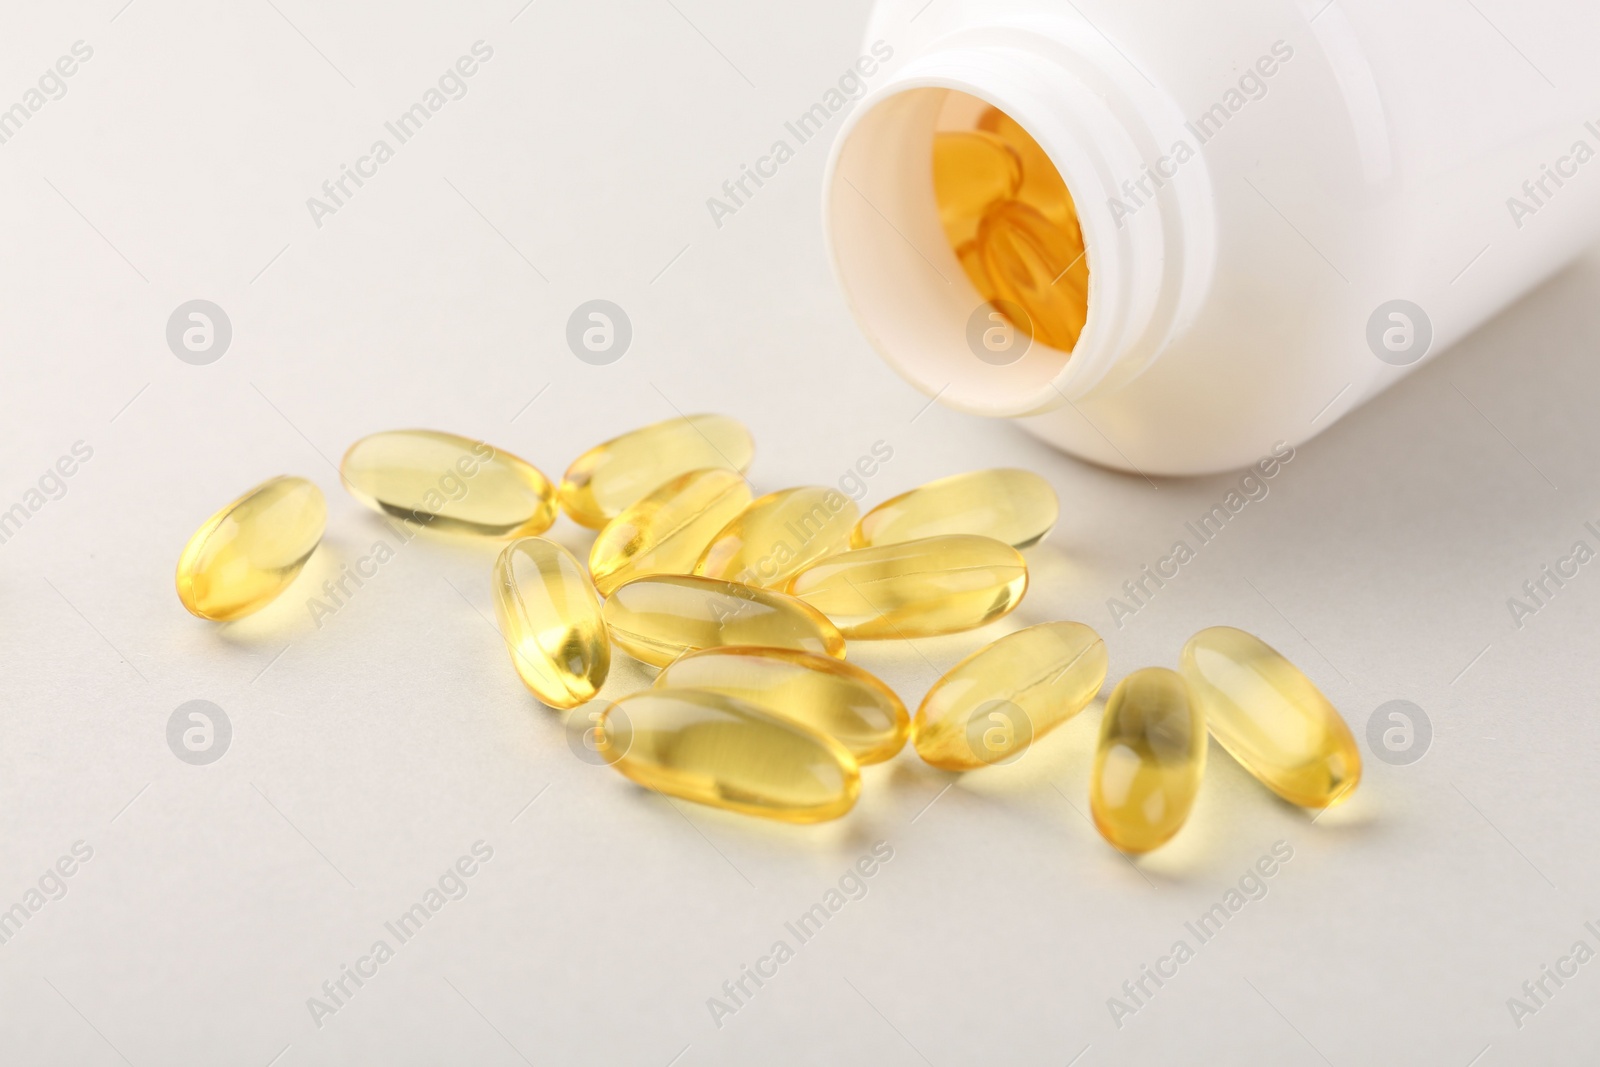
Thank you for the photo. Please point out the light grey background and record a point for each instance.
(371, 752)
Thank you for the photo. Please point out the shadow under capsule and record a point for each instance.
(846, 835)
(1233, 806)
(1009, 785)
(289, 616)
(1051, 569)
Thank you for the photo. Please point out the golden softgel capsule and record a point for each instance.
(935, 585)
(1014, 506)
(715, 749)
(1150, 760)
(833, 697)
(1270, 717)
(971, 170)
(247, 553)
(614, 475)
(1034, 264)
(550, 617)
(1012, 224)
(449, 483)
(779, 535)
(666, 532)
(658, 619)
(991, 706)
(1042, 188)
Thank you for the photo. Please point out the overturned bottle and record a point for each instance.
(1138, 235)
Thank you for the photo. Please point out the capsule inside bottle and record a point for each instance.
(826, 694)
(1032, 265)
(1011, 221)
(1149, 763)
(249, 552)
(1042, 187)
(551, 620)
(658, 618)
(971, 170)
(715, 749)
(1271, 718)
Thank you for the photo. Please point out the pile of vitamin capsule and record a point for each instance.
(1013, 226)
(746, 606)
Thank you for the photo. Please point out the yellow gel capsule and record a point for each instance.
(828, 695)
(935, 585)
(1016, 234)
(715, 749)
(970, 257)
(614, 475)
(551, 619)
(1014, 506)
(971, 170)
(1041, 187)
(449, 483)
(250, 551)
(1270, 717)
(1151, 757)
(1038, 266)
(666, 532)
(779, 535)
(658, 619)
(991, 706)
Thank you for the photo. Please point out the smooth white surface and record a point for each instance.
(370, 753)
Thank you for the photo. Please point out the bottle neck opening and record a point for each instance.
(935, 302)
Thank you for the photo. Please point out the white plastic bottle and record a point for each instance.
(1285, 204)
